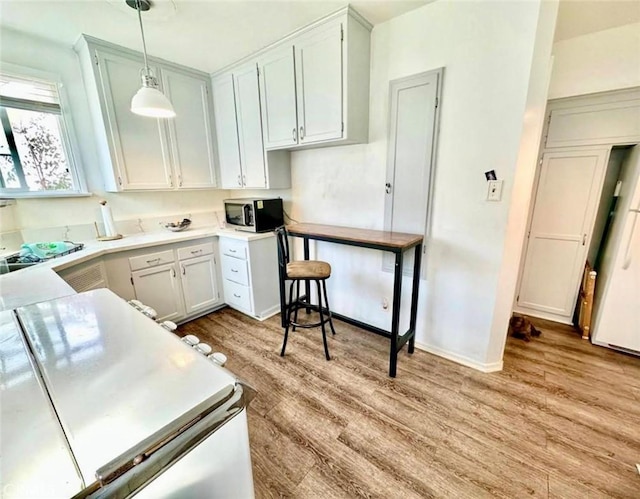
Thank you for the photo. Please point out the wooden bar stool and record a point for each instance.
(303, 270)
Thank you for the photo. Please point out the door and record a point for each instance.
(138, 145)
(190, 130)
(563, 215)
(412, 131)
(278, 97)
(618, 298)
(199, 286)
(224, 110)
(319, 84)
(252, 156)
(158, 287)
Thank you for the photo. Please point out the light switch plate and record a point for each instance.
(494, 192)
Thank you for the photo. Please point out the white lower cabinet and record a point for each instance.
(250, 275)
(159, 288)
(179, 281)
(198, 276)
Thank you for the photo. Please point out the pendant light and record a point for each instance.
(149, 100)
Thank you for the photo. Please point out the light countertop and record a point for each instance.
(41, 282)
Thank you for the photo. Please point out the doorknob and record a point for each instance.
(387, 188)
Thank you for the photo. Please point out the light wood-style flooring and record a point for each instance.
(561, 420)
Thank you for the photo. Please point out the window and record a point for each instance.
(35, 152)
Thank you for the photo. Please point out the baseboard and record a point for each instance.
(460, 359)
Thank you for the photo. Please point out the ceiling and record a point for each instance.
(581, 17)
(209, 34)
(204, 34)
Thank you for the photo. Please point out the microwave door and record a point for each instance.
(235, 214)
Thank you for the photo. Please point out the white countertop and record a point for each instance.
(41, 282)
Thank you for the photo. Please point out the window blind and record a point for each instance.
(30, 94)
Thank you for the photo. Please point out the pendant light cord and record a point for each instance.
(144, 45)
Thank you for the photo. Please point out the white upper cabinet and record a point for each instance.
(140, 153)
(318, 57)
(138, 145)
(242, 159)
(315, 84)
(227, 132)
(190, 131)
(247, 98)
(278, 93)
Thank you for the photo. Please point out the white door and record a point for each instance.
(278, 98)
(563, 215)
(190, 130)
(617, 301)
(224, 109)
(412, 131)
(252, 156)
(319, 84)
(199, 284)
(159, 288)
(138, 145)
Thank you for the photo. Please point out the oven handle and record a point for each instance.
(135, 468)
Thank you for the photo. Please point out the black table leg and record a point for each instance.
(395, 317)
(283, 303)
(307, 284)
(414, 296)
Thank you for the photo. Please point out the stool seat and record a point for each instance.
(308, 269)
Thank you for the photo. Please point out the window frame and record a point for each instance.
(67, 133)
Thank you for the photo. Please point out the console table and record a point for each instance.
(394, 242)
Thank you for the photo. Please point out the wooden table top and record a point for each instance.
(358, 236)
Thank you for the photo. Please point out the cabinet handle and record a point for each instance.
(237, 296)
(232, 251)
(239, 180)
(387, 188)
(244, 180)
(234, 271)
(174, 273)
(301, 133)
(195, 252)
(157, 260)
(171, 181)
(179, 180)
(295, 134)
(184, 272)
(584, 239)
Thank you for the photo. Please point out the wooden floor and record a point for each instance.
(561, 420)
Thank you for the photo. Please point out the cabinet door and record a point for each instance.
(319, 84)
(224, 108)
(158, 287)
(563, 215)
(278, 98)
(252, 157)
(199, 283)
(190, 130)
(138, 145)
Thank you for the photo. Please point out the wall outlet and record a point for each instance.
(494, 191)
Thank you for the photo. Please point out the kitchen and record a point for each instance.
(474, 245)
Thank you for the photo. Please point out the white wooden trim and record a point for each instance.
(461, 359)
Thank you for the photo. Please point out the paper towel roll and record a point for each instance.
(109, 224)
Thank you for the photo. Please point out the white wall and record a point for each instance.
(597, 62)
(487, 50)
(21, 49)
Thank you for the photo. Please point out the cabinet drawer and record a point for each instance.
(195, 250)
(233, 247)
(151, 260)
(235, 270)
(237, 295)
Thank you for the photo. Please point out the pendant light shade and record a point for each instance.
(149, 100)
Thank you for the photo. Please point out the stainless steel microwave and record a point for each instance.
(254, 214)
